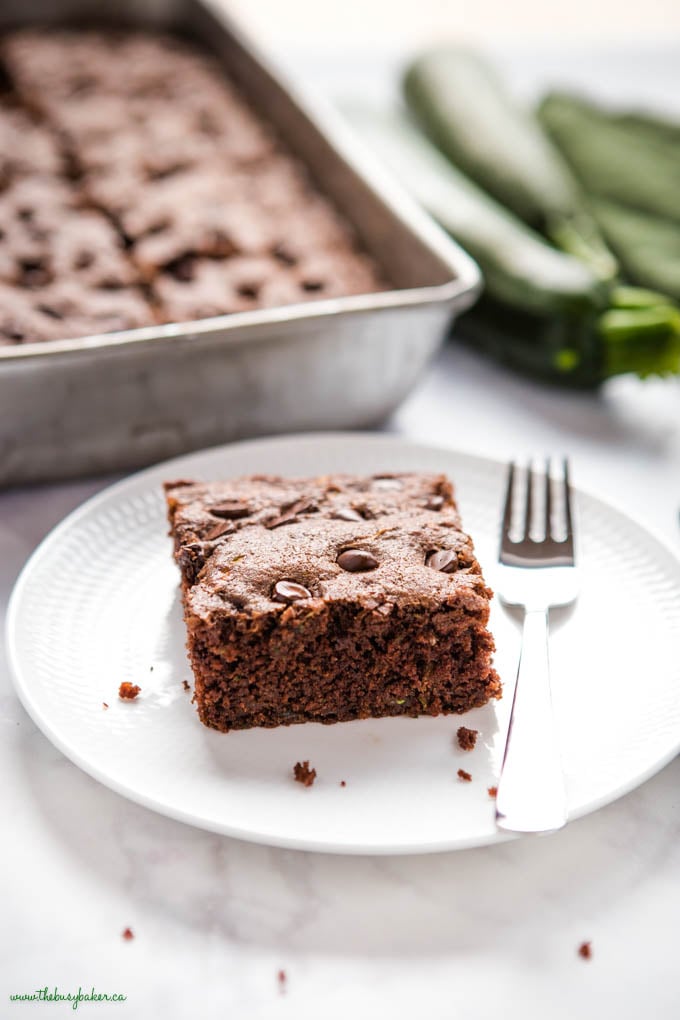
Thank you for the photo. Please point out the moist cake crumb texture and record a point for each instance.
(138, 187)
(128, 691)
(466, 738)
(303, 774)
(330, 599)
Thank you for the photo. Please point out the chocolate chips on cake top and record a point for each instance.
(337, 614)
(133, 172)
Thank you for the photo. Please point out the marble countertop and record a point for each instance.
(474, 934)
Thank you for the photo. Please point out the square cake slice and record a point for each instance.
(330, 599)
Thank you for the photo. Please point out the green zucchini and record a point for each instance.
(656, 128)
(562, 349)
(622, 158)
(553, 349)
(647, 246)
(466, 109)
(520, 268)
(543, 312)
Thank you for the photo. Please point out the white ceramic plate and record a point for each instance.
(98, 604)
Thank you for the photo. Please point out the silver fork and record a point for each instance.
(537, 574)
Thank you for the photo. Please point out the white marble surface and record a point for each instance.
(474, 934)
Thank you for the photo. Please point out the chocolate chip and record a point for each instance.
(159, 227)
(435, 503)
(222, 244)
(52, 313)
(84, 260)
(218, 530)
(33, 273)
(82, 84)
(283, 255)
(162, 173)
(347, 513)
(445, 560)
(207, 125)
(182, 268)
(278, 522)
(290, 591)
(356, 560)
(289, 513)
(230, 509)
(300, 506)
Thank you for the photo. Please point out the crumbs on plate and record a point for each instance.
(128, 691)
(466, 738)
(303, 774)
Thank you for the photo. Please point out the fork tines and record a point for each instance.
(547, 538)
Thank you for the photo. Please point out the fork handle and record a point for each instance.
(531, 793)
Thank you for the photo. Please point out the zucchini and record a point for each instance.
(520, 268)
(622, 158)
(467, 111)
(647, 246)
(561, 350)
(547, 348)
(543, 312)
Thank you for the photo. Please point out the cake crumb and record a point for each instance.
(128, 691)
(303, 774)
(492, 791)
(466, 738)
(104, 705)
(185, 684)
(465, 776)
(343, 783)
(584, 951)
(281, 978)
(128, 934)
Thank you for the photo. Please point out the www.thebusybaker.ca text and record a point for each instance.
(75, 998)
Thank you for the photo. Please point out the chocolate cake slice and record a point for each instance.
(330, 599)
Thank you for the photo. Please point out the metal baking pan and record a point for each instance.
(122, 400)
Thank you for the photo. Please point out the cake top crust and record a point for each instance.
(267, 545)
